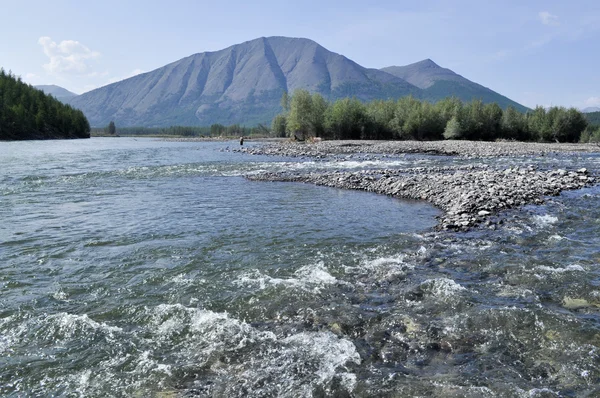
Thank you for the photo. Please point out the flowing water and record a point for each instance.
(138, 267)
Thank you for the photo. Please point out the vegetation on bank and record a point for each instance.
(308, 115)
(27, 113)
(215, 130)
(593, 118)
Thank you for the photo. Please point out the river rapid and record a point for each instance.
(140, 267)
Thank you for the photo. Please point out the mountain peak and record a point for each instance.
(427, 63)
(243, 83)
(423, 74)
(56, 91)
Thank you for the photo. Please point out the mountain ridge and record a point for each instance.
(436, 82)
(591, 109)
(242, 83)
(60, 93)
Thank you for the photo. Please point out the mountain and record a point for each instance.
(244, 83)
(240, 84)
(593, 118)
(57, 92)
(437, 83)
(591, 109)
(30, 114)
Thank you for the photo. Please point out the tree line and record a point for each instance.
(27, 113)
(308, 115)
(592, 132)
(215, 130)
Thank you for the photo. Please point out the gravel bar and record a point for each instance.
(470, 196)
(470, 149)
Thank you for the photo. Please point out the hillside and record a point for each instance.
(244, 83)
(593, 118)
(28, 114)
(57, 92)
(591, 109)
(438, 83)
(240, 84)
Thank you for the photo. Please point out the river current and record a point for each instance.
(140, 267)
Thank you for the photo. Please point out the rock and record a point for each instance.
(468, 194)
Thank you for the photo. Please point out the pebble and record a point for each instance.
(469, 195)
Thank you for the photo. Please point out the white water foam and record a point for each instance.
(560, 270)
(294, 365)
(65, 326)
(311, 278)
(545, 220)
(442, 287)
(383, 268)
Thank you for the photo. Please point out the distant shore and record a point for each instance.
(469, 195)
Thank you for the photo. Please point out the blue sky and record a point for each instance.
(535, 52)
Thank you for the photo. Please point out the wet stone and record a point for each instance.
(468, 195)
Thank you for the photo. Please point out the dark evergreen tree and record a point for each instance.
(27, 113)
(111, 129)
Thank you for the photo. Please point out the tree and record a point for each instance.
(380, 114)
(278, 126)
(317, 114)
(346, 119)
(492, 121)
(453, 129)
(28, 113)
(111, 129)
(299, 119)
(285, 102)
(514, 125)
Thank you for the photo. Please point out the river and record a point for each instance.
(141, 267)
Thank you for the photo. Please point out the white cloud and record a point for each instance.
(592, 101)
(548, 19)
(67, 57)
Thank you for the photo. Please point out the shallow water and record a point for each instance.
(150, 268)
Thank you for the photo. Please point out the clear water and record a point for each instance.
(137, 267)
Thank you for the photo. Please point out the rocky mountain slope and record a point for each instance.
(437, 83)
(57, 92)
(243, 84)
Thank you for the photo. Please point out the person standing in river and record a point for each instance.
(241, 140)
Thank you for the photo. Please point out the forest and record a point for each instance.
(308, 115)
(28, 114)
(215, 130)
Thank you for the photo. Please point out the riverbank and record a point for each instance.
(469, 195)
(469, 149)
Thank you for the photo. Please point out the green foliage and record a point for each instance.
(557, 124)
(111, 129)
(27, 113)
(215, 130)
(514, 125)
(453, 130)
(591, 134)
(346, 119)
(306, 117)
(278, 125)
(285, 101)
(593, 118)
(380, 114)
(299, 119)
(410, 118)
